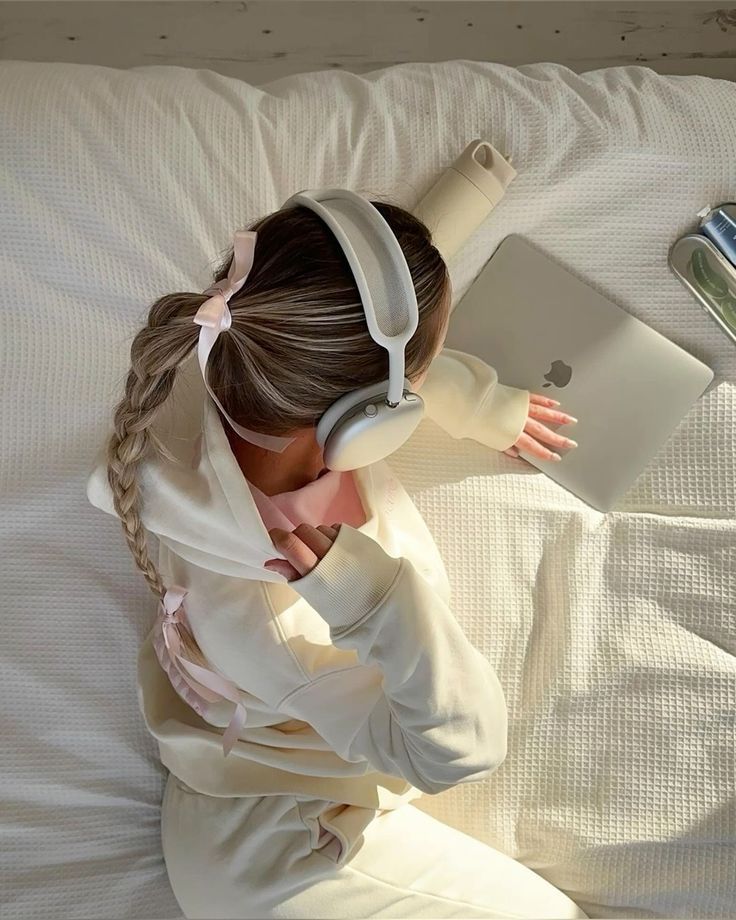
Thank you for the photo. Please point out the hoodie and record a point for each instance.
(357, 683)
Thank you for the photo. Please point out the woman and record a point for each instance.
(334, 677)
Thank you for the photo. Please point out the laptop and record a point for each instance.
(546, 331)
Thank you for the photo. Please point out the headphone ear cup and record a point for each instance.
(371, 431)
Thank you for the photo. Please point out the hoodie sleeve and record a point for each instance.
(424, 704)
(462, 395)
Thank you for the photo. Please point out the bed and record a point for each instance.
(614, 635)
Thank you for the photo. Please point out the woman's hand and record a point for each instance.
(541, 407)
(303, 548)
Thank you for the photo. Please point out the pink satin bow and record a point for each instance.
(196, 685)
(214, 317)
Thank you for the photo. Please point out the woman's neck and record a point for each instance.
(296, 466)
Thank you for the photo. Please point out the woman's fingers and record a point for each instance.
(303, 547)
(283, 568)
(527, 443)
(551, 415)
(317, 541)
(328, 531)
(538, 399)
(542, 433)
(296, 551)
(543, 407)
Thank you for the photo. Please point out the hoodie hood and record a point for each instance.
(200, 506)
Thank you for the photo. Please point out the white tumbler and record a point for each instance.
(464, 195)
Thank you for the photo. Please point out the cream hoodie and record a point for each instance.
(359, 685)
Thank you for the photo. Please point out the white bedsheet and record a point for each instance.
(613, 635)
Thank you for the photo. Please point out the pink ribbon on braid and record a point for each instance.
(206, 684)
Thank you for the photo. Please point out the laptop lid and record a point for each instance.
(546, 331)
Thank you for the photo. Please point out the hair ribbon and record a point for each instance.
(196, 685)
(214, 317)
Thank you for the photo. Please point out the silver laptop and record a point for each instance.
(548, 332)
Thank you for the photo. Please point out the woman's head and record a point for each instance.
(298, 342)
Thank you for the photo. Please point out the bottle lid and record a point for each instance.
(484, 166)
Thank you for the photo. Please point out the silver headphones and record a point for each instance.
(368, 424)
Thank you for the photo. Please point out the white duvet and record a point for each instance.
(614, 635)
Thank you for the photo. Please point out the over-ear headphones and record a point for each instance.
(368, 424)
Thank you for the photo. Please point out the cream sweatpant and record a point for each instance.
(285, 856)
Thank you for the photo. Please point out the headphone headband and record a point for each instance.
(380, 269)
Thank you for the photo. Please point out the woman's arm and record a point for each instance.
(429, 707)
(463, 396)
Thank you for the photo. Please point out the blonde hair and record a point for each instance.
(298, 341)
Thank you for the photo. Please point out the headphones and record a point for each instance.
(368, 424)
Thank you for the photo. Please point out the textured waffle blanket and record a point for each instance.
(614, 635)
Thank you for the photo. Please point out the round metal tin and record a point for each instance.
(709, 276)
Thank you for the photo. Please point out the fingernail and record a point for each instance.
(553, 402)
(572, 443)
(572, 419)
(556, 457)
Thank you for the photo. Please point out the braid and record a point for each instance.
(156, 352)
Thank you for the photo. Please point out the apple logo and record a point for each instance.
(560, 374)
